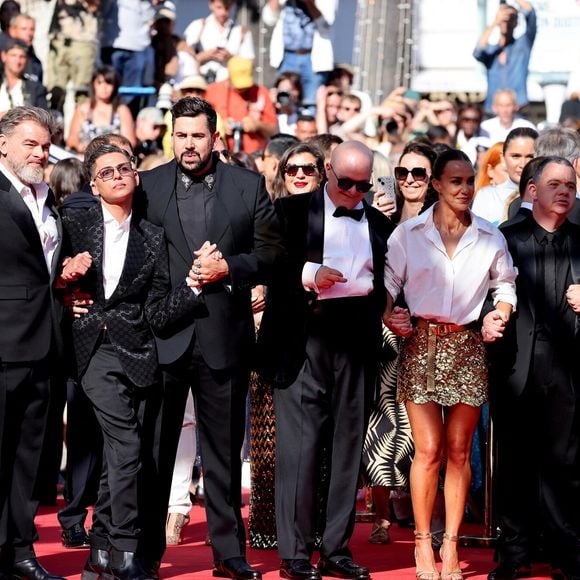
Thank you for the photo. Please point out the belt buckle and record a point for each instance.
(439, 329)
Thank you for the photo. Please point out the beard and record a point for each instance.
(196, 165)
(28, 175)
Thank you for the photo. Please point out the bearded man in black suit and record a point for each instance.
(536, 384)
(30, 242)
(319, 339)
(204, 203)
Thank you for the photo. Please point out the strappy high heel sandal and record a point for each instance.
(455, 574)
(424, 574)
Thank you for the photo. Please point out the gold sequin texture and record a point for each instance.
(460, 369)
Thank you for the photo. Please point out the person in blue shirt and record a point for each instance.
(507, 62)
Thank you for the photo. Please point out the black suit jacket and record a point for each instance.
(141, 301)
(283, 331)
(29, 316)
(514, 352)
(245, 228)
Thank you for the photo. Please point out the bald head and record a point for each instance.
(349, 173)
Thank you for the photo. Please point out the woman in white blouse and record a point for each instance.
(445, 261)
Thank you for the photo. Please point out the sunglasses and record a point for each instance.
(308, 169)
(469, 119)
(107, 173)
(418, 173)
(346, 183)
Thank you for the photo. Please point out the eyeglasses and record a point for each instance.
(346, 183)
(469, 119)
(418, 173)
(309, 169)
(107, 173)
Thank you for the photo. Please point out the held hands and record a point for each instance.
(399, 321)
(75, 268)
(494, 324)
(327, 277)
(209, 266)
(573, 297)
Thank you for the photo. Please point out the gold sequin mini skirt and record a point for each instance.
(444, 367)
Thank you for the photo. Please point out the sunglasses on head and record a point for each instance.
(308, 169)
(346, 183)
(418, 173)
(107, 173)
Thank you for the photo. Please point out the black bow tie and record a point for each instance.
(355, 214)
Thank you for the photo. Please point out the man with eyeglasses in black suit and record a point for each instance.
(325, 307)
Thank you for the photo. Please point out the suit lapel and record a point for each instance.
(377, 235)
(525, 248)
(13, 204)
(95, 239)
(55, 266)
(315, 231)
(169, 215)
(228, 201)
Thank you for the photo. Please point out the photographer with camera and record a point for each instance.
(246, 108)
(286, 95)
(216, 38)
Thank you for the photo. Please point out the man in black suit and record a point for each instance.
(114, 347)
(536, 384)
(198, 200)
(319, 344)
(30, 240)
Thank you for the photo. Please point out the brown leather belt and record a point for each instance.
(435, 329)
(300, 51)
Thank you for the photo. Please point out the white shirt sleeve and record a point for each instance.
(395, 264)
(309, 276)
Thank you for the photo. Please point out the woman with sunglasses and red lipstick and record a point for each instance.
(301, 170)
(445, 261)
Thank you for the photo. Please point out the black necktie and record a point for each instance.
(355, 214)
(550, 280)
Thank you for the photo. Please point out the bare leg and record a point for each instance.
(427, 426)
(460, 423)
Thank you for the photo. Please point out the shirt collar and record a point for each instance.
(109, 220)
(425, 219)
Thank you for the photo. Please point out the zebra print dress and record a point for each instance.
(388, 447)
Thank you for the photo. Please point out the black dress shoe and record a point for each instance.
(237, 568)
(32, 570)
(151, 567)
(343, 568)
(298, 570)
(96, 564)
(126, 566)
(508, 571)
(75, 537)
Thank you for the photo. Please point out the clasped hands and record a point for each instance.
(208, 266)
(494, 324)
(399, 321)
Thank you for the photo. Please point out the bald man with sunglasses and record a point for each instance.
(324, 307)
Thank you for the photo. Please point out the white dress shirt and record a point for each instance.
(44, 219)
(116, 238)
(498, 133)
(446, 289)
(347, 248)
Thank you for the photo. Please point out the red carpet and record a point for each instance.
(193, 560)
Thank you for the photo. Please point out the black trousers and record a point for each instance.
(119, 408)
(84, 454)
(24, 400)
(538, 484)
(220, 404)
(327, 404)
